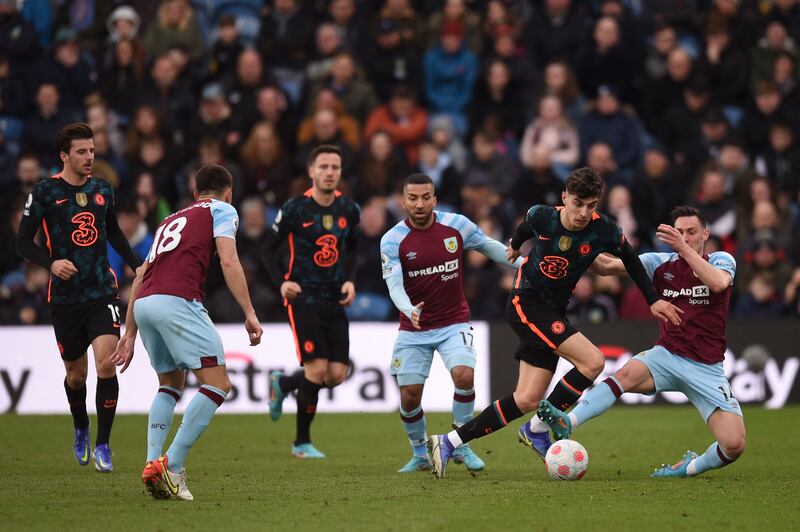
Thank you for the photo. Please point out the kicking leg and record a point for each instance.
(634, 377)
(728, 429)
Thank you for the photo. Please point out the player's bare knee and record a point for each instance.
(627, 377)
(334, 379)
(733, 446)
(593, 366)
(526, 402)
(463, 377)
(76, 378)
(410, 397)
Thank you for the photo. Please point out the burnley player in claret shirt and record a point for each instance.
(686, 358)
(422, 258)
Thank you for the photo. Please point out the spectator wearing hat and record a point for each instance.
(122, 25)
(443, 134)
(455, 10)
(610, 124)
(391, 61)
(501, 14)
(215, 119)
(175, 25)
(503, 45)
(450, 72)
(73, 74)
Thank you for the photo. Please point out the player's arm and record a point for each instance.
(28, 248)
(716, 279)
(522, 234)
(605, 264)
(661, 309)
(123, 354)
(237, 284)
(393, 275)
(119, 241)
(476, 239)
(351, 260)
(271, 256)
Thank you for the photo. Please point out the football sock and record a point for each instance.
(496, 416)
(537, 425)
(414, 423)
(161, 413)
(463, 405)
(77, 405)
(195, 420)
(290, 383)
(596, 401)
(106, 403)
(713, 458)
(307, 397)
(569, 389)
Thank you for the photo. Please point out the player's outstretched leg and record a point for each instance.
(441, 450)
(415, 427)
(677, 469)
(465, 455)
(106, 404)
(81, 445)
(307, 398)
(160, 418)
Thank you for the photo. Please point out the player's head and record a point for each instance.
(419, 199)
(214, 180)
(692, 226)
(584, 187)
(325, 168)
(75, 145)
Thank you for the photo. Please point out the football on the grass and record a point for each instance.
(567, 460)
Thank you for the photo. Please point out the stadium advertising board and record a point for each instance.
(762, 362)
(32, 375)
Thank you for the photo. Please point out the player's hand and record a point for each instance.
(254, 329)
(666, 311)
(123, 354)
(349, 291)
(511, 253)
(416, 314)
(63, 269)
(670, 236)
(290, 290)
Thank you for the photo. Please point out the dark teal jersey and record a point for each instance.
(73, 220)
(321, 243)
(560, 257)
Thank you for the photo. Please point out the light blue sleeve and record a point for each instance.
(723, 261)
(392, 269)
(224, 219)
(474, 238)
(651, 261)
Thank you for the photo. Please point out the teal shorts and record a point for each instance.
(177, 334)
(704, 385)
(413, 352)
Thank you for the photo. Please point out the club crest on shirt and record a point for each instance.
(451, 244)
(81, 199)
(327, 221)
(564, 243)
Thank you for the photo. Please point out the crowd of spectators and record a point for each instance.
(673, 101)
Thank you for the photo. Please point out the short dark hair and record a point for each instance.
(213, 178)
(585, 183)
(319, 150)
(684, 210)
(70, 132)
(418, 179)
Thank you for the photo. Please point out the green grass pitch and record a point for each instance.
(243, 478)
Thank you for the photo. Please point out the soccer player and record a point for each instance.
(76, 214)
(687, 359)
(422, 261)
(566, 241)
(166, 304)
(321, 229)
